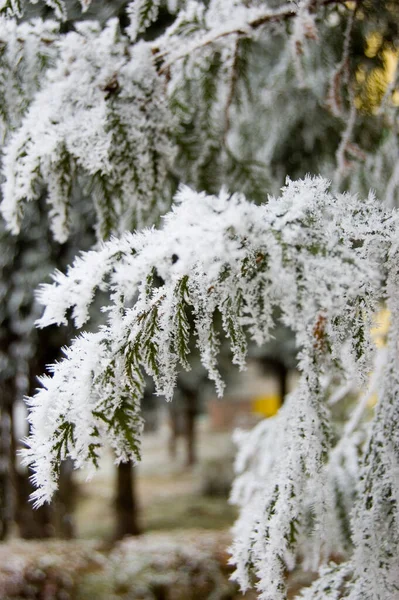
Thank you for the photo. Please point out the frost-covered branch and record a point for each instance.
(232, 93)
(102, 115)
(242, 21)
(15, 8)
(127, 119)
(316, 256)
(371, 572)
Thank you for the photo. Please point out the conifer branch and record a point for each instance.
(169, 57)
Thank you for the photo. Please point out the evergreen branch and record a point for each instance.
(241, 31)
(246, 252)
(119, 135)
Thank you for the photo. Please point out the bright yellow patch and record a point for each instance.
(267, 406)
(374, 84)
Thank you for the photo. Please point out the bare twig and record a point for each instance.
(341, 72)
(286, 12)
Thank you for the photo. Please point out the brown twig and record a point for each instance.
(343, 71)
(288, 12)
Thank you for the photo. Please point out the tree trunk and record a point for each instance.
(174, 431)
(6, 491)
(126, 502)
(55, 519)
(278, 368)
(32, 523)
(190, 413)
(64, 502)
(282, 374)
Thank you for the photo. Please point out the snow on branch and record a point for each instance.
(26, 50)
(15, 8)
(142, 13)
(101, 115)
(224, 19)
(316, 256)
(125, 119)
(377, 509)
(273, 507)
(308, 511)
(372, 572)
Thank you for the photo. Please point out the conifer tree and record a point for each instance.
(234, 94)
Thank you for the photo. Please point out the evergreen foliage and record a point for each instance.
(105, 120)
(320, 258)
(128, 119)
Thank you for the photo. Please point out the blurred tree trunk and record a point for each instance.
(6, 488)
(32, 523)
(64, 502)
(182, 421)
(174, 430)
(25, 354)
(126, 501)
(7, 396)
(55, 519)
(190, 414)
(276, 367)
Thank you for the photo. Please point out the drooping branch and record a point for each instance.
(212, 254)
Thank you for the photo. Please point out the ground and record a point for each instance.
(170, 495)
